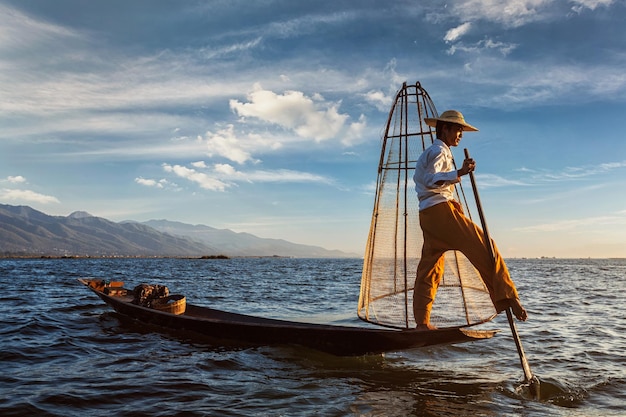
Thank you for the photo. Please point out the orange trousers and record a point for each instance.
(445, 228)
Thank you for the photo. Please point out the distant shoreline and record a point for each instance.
(199, 257)
(219, 257)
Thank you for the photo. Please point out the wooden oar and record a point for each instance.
(533, 383)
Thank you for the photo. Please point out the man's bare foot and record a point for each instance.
(425, 326)
(518, 310)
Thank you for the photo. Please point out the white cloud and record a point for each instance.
(580, 5)
(199, 164)
(455, 33)
(490, 180)
(225, 169)
(268, 176)
(369, 188)
(483, 45)
(533, 177)
(203, 180)
(379, 99)
(516, 13)
(19, 32)
(510, 13)
(220, 177)
(26, 196)
(355, 132)
(227, 144)
(309, 117)
(18, 179)
(212, 53)
(512, 84)
(571, 173)
(286, 175)
(306, 24)
(162, 183)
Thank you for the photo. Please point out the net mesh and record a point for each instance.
(395, 239)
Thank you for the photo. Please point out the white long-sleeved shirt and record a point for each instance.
(435, 164)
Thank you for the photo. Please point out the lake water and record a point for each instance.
(63, 352)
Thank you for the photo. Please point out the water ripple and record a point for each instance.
(65, 353)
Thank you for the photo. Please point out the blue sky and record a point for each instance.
(266, 116)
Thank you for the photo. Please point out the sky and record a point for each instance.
(267, 116)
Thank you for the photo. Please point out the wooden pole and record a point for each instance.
(533, 383)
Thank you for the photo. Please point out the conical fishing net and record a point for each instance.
(395, 239)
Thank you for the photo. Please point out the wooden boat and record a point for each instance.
(251, 330)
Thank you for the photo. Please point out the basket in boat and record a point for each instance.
(174, 304)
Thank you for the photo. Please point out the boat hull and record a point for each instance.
(252, 330)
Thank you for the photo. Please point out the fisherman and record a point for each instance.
(445, 227)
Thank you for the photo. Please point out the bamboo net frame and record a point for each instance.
(395, 238)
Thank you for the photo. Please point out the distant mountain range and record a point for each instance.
(25, 231)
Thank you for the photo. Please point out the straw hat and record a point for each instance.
(451, 116)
